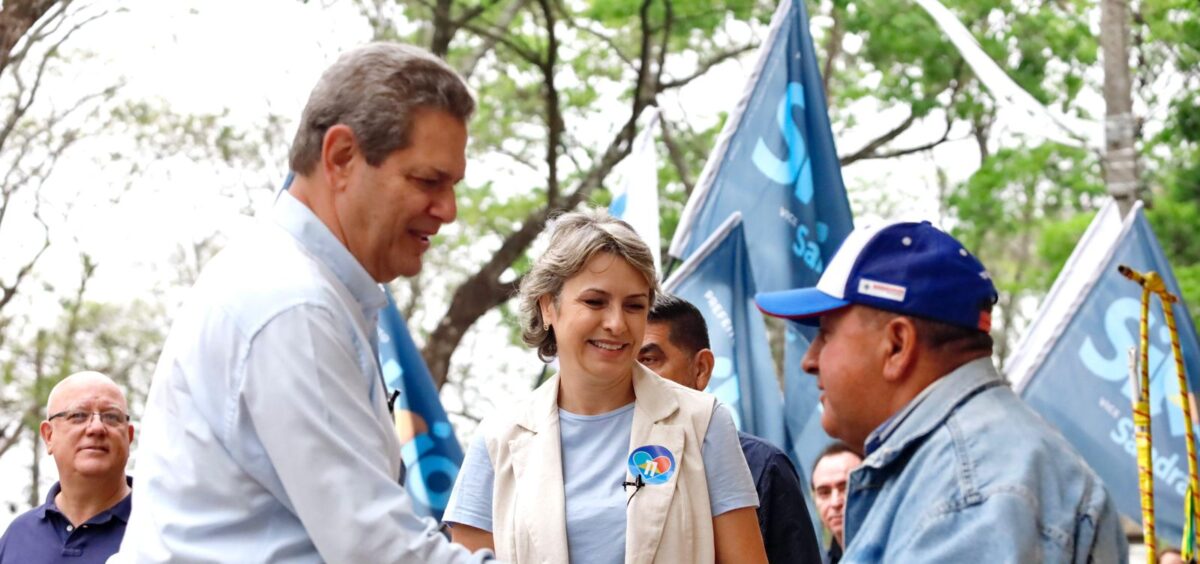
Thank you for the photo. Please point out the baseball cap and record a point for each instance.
(903, 267)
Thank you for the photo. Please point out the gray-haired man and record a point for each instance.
(270, 437)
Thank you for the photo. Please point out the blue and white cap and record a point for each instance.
(903, 267)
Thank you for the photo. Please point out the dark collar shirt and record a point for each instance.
(834, 554)
(45, 535)
(783, 518)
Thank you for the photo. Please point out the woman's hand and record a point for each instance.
(737, 537)
(475, 538)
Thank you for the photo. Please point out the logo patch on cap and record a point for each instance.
(883, 290)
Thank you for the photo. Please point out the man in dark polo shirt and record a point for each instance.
(87, 430)
(676, 347)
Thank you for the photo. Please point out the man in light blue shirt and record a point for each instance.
(268, 432)
(957, 468)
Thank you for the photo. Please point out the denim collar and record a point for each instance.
(316, 238)
(119, 511)
(929, 410)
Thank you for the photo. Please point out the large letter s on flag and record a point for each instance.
(797, 167)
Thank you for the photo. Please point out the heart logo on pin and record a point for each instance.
(654, 463)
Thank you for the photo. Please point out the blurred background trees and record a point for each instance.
(561, 87)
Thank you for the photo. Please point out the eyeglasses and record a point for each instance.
(111, 417)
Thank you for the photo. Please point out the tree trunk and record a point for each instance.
(443, 29)
(35, 472)
(16, 18)
(1120, 157)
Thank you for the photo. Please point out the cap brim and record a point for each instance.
(805, 305)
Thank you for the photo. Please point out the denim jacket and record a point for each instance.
(967, 472)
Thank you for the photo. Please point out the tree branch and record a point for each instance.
(521, 51)
(607, 41)
(678, 160)
(706, 66)
(16, 17)
(553, 107)
(870, 148)
(489, 43)
(910, 150)
(833, 46)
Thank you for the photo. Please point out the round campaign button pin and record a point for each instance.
(654, 463)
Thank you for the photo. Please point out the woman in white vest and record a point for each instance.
(605, 462)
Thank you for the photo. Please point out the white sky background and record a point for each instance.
(261, 57)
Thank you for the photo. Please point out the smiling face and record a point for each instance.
(846, 357)
(389, 213)
(599, 318)
(92, 448)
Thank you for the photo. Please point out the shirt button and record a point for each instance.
(70, 528)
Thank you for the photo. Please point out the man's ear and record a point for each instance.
(339, 148)
(900, 348)
(47, 432)
(703, 365)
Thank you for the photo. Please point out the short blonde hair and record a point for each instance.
(576, 238)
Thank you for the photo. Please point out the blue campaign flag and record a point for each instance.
(777, 165)
(1075, 370)
(719, 281)
(775, 162)
(805, 436)
(635, 194)
(431, 452)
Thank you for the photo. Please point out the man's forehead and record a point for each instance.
(658, 333)
(835, 466)
(85, 389)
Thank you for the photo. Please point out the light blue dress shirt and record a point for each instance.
(266, 434)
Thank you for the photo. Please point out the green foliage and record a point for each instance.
(1022, 213)
(906, 61)
(691, 17)
(1054, 247)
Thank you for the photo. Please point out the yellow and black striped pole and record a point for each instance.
(1151, 282)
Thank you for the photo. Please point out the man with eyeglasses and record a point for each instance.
(87, 430)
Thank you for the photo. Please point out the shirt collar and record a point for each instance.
(929, 409)
(50, 505)
(119, 511)
(300, 221)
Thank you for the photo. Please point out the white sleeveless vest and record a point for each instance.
(665, 523)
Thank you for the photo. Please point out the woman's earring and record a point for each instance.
(545, 326)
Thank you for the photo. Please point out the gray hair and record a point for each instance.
(375, 90)
(576, 238)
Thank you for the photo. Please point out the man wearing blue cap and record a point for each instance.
(956, 466)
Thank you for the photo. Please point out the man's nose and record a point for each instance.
(837, 497)
(809, 363)
(95, 424)
(445, 206)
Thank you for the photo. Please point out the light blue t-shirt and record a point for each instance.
(595, 451)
